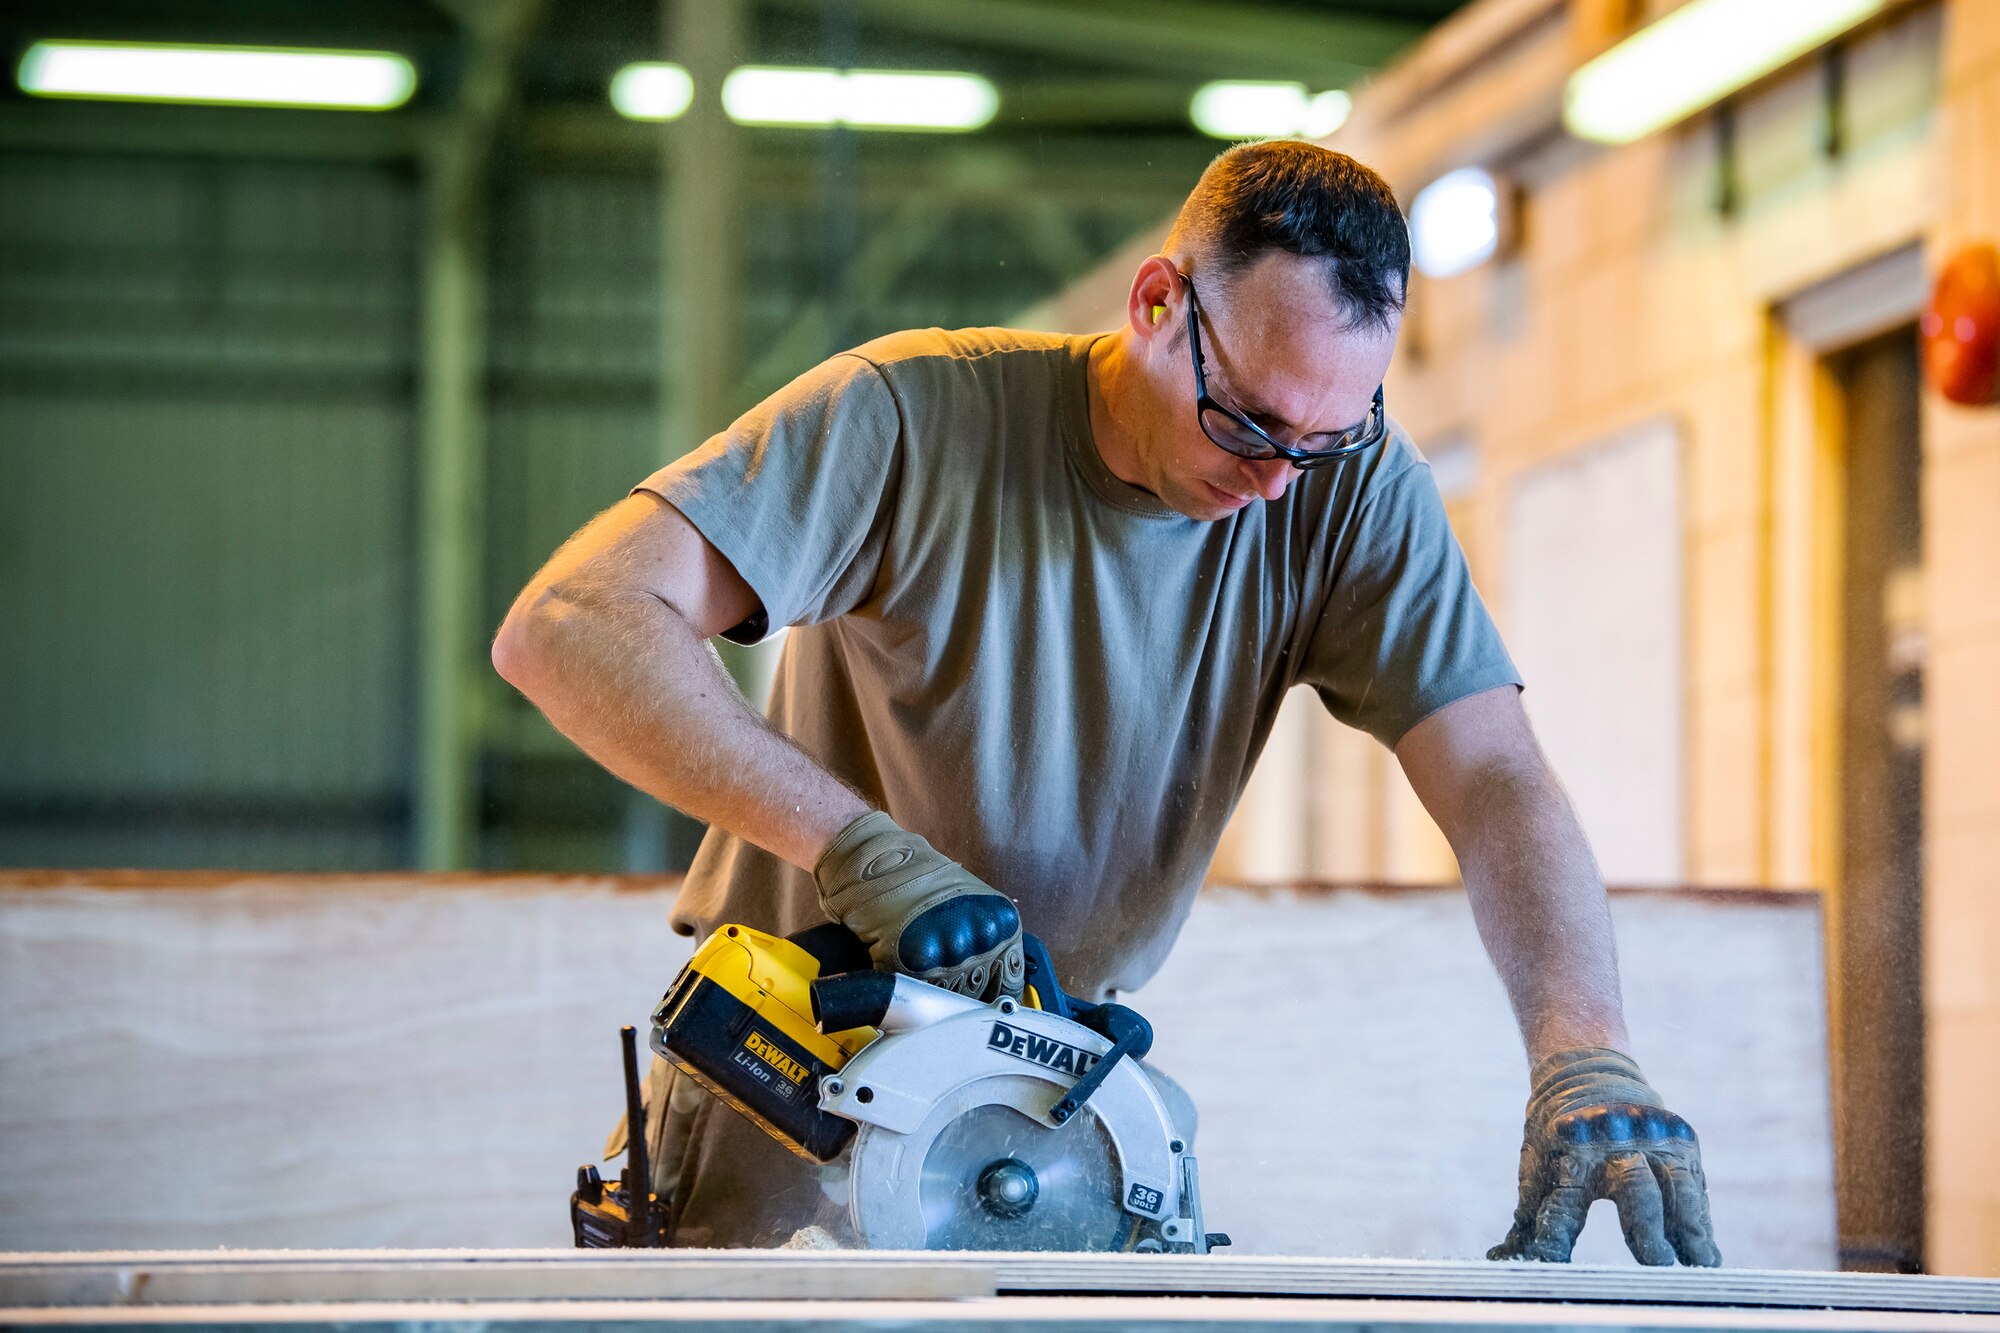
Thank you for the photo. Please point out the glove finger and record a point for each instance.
(980, 980)
(1532, 1187)
(1688, 1227)
(1515, 1246)
(1560, 1217)
(955, 979)
(1641, 1209)
(1010, 973)
(1558, 1223)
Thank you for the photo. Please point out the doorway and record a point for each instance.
(1879, 1106)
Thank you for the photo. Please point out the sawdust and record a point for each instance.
(812, 1238)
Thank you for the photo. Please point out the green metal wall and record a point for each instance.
(209, 463)
(205, 500)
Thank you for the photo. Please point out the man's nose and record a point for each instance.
(1270, 477)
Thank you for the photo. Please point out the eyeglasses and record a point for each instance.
(1230, 430)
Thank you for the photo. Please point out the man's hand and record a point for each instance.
(920, 912)
(1596, 1130)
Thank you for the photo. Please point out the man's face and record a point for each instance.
(1279, 354)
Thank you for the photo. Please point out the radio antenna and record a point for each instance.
(638, 1176)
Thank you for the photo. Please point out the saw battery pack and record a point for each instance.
(739, 1021)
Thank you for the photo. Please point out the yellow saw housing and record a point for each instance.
(738, 1019)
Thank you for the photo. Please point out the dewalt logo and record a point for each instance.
(1057, 1055)
(786, 1067)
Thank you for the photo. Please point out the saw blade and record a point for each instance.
(996, 1180)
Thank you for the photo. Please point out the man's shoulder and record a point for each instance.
(929, 351)
(1391, 467)
(1380, 498)
(1400, 459)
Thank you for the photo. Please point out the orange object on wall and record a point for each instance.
(1961, 327)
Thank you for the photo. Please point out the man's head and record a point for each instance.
(1287, 197)
(1301, 257)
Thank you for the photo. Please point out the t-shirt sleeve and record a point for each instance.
(1402, 632)
(796, 493)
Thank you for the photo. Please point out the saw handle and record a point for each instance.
(841, 955)
(849, 994)
(1130, 1034)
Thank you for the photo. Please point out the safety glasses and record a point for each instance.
(1230, 430)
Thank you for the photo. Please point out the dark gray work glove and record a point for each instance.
(1597, 1130)
(920, 912)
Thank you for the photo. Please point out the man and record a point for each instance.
(1049, 592)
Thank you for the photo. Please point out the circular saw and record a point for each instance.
(1023, 1124)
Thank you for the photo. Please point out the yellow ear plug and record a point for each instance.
(1158, 311)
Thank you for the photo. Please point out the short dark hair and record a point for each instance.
(1282, 194)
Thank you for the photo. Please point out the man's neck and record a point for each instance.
(1109, 379)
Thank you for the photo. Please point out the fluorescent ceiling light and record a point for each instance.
(224, 75)
(1454, 223)
(863, 98)
(1697, 55)
(651, 91)
(1325, 113)
(1259, 110)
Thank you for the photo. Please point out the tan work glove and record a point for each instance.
(1597, 1130)
(919, 912)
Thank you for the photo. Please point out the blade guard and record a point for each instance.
(903, 1090)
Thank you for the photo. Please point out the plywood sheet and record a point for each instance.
(1361, 1083)
(312, 1063)
(398, 1063)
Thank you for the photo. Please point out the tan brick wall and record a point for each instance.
(1962, 775)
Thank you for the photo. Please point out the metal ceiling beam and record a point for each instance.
(1059, 102)
(1197, 39)
(778, 165)
(210, 131)
(84, 127)
(893, 245)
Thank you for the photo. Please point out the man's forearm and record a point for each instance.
(628, 680)
(1538, 899)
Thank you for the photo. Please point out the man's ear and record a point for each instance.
(1153, 291)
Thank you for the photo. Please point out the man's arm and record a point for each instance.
(1595, 1128)
(1536, 893)
(610, 641)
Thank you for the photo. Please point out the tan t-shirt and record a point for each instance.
(1058, 680)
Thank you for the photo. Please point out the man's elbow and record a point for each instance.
(554, 631)
(520, 650)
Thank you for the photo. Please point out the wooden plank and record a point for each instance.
(588, 1275)
(1390, 1279)
(1062, 1314)
(103, 1279)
